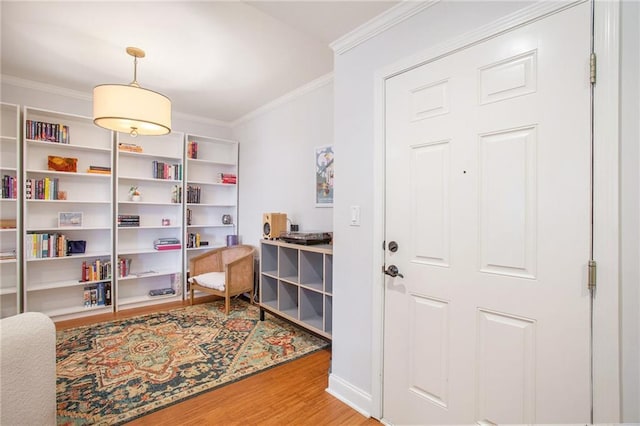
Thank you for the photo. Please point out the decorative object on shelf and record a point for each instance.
(69, 219)
(324, 176)
(76, 246)
(226, 219)
(166, 221)
(135, 194)
(131, 108)
(62, 164)
(232, 240)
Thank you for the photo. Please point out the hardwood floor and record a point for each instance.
(289, 394)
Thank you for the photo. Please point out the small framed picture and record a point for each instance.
(324, 176)
(69, 219)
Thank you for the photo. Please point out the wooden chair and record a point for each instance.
(224, 272)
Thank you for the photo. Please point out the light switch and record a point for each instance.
(355, 216)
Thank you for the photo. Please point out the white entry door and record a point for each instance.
(488, 205)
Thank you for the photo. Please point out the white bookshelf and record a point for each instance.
(149, 269)
(10, 210)
(53, 282)
(203, 217)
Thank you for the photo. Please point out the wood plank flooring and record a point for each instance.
(289, 394)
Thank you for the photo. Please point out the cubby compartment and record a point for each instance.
(328, 313)
(288, 299)
(328, 274)
(311, 308)
(311, 269)
(270, 291)
(269, 260)
(288, 264)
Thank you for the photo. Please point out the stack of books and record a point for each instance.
(104, 170)
(129, 147)
(167, 244)
(128, 220)
(229, 178)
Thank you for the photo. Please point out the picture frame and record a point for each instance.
(324, 175)
(70, 220)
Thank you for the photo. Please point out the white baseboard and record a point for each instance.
(352, 396)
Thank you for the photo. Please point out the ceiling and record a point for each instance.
(215, 59)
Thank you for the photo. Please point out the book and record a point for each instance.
(168, 247)
(130, 147)
(161, 291)
(107, 294)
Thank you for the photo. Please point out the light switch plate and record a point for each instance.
(355, 216)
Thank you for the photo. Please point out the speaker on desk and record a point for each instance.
(273, 224)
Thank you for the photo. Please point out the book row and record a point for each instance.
(176, 194)
(50, 132)
(9, 187)
(193, 194)
(42, 189)
(98, 294)
(193, 240)
(124, 266)
(44, 245)
(96, 270)
(192, 150)
(167, 171)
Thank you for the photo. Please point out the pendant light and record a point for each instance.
(131, 108)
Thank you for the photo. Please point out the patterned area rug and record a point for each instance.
(113, 372)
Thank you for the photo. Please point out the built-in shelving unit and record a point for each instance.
(61, 206)
(296, 283)
(211, 167)
(153, 165)
(66, 179)
(10, 253)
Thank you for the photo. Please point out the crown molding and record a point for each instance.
(200, 119)
(76, 94)
(44, 87)
(391, 17)
(302, 90)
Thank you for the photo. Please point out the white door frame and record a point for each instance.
(606, 347)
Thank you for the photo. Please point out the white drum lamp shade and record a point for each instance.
(127, 109)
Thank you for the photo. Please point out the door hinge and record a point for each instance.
(593, 269)
(592, 68)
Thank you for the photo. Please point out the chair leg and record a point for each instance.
(191, 298)
(227, 302)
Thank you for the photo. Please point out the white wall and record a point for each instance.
(277, 171)
(630, 210)
(25, 93)
(354, 258)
